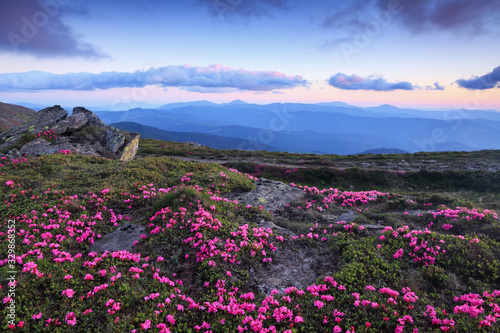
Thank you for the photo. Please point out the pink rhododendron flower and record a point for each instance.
(71, 318)
(146, 325)
(398, 254)
(68, 292)
(319, 304)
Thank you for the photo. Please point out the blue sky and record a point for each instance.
(427, 53)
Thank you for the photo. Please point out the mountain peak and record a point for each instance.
(237, 102)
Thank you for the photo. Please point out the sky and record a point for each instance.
(427, 54)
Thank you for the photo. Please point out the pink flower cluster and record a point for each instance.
(50, 134)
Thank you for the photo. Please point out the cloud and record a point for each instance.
(347, 14)
(354, 82)
(435, 86)
(456, 15)
(36, 27)
(203, 78)
(487, 81)
(243, 8)
(462, 17)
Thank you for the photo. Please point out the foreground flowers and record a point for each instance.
(194, 262)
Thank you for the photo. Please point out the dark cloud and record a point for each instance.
(242, 8)
(462, 17)
(487, 81)
(37, 27)
(354, 82)
(200, 78)
(456, 15)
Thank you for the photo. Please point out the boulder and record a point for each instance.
(61, 127)
(71, 124)
(93, 119)
(82, 133)
(130, 149)
(114, 140)
(76, 121)
(36, 147)
(14, 153)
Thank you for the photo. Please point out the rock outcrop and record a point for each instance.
(51, 130)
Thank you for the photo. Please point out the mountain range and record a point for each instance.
(335, 127)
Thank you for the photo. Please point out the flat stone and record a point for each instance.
(347, 217)
(122, 239)
(279, 230)
(270, 194)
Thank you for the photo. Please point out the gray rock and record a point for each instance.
(42, 120)
(61, 127)
(93, 119)
(114, 140)
(36, 147)
(279, 230)
(347, 217)
(14, 153)
(82, 133)
(76, 121)
(373, 226)
(71, 124)
(121, 239)
(270, 194)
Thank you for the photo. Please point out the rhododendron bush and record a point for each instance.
(190, 270)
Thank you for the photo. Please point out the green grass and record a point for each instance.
(157, 147)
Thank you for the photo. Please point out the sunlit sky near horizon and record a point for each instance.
(430, 54)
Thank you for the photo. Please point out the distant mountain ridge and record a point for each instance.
(209, 140)
(326, 128)
(384, 151)
(331, 127)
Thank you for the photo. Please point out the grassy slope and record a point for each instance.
(60, 203)
(165, 148)
(13, 115)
